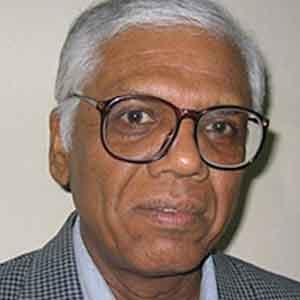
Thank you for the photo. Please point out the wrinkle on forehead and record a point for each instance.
(145, 41)
(178, 58)
(190, 95)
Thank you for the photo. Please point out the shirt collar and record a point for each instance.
(93, 284)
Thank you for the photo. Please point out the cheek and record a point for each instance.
(91, 167)
(97, 181)
(226, 186)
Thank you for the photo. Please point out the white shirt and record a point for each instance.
(93, 284)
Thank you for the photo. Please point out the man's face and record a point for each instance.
(162, 217)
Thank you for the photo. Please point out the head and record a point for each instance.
(162, 217)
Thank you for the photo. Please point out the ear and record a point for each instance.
(58, 157)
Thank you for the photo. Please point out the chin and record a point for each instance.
(167, 269)
(167, 259)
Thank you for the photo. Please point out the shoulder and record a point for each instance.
(47, 273)
(12, 275)
(234, 271)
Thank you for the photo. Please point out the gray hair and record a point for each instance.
(104, 20)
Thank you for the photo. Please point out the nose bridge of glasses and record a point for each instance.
(183, 152)
(183, 114)
(185, 130)
(188, 114)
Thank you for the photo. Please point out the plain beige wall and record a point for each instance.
(32, 207)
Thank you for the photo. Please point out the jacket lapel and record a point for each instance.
(230, 280)
(52, 274)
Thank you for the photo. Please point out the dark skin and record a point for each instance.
(139, 255)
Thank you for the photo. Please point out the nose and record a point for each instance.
(182, 159)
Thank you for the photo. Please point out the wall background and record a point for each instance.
(32, 207)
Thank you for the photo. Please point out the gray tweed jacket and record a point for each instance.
(50, 274)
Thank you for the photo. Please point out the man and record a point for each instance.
(159, 113)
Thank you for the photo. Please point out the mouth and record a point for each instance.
(170, 216)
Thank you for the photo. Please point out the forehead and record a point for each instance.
(171, 62)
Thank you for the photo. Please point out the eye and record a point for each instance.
(136, 117)
(221, 128)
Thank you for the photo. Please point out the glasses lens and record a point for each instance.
(138, 130)
(229, 137)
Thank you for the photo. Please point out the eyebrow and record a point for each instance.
(123, 87)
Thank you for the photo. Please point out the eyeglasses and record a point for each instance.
(142, 128)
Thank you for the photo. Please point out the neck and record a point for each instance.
(128, 283)
(131, 286)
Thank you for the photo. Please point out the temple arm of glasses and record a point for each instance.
(86, 99)
(265, 122)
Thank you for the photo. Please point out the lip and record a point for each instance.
(170, 216)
